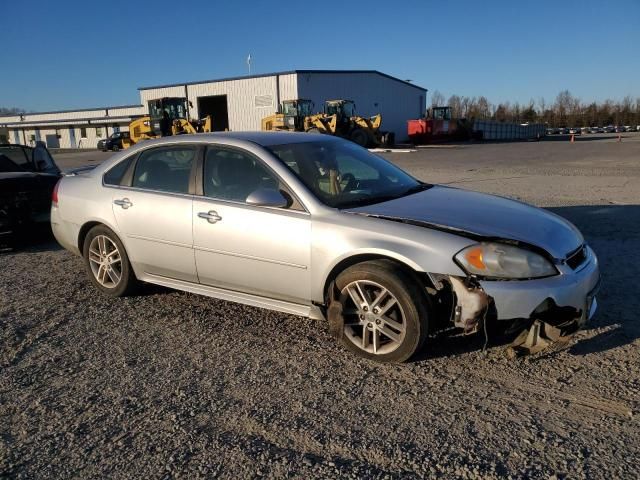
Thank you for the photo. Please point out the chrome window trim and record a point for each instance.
(233, 203)
(207, 199)
(264, 164)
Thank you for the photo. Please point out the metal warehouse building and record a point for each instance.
(237, 104)
(68, 128)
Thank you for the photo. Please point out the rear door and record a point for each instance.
(153, 210)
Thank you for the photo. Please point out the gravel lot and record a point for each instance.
(172, 385)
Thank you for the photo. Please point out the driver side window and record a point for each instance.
(234, 175)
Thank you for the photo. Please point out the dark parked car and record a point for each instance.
(113, 142)
(27, 179)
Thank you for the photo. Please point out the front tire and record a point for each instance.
(107, 262)
(386, 312)
(361, 137)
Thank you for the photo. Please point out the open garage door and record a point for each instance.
(216, 106)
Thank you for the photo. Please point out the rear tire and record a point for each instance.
(107, 263)
(386, 312)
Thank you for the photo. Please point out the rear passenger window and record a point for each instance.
(114, 174)
(167, 169)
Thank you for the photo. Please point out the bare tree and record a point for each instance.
(456, 106)
(11, 111)
(437, 99)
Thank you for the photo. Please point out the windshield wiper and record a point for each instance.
(420, 187)
(361, 202)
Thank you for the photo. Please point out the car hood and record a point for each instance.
(481, 216)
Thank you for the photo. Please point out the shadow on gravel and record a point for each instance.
(613, 231)
(38, 239)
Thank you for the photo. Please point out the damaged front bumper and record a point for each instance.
(575, 289)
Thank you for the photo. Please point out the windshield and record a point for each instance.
(345, 108)
(343, 175)
(301, 108)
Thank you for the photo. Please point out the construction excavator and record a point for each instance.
(338, 118)
(167, 116)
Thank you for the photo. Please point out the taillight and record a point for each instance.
(54, 194)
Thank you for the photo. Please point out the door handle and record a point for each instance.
(124, 203)
(211, 216)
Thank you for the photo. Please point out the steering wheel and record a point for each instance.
(351, 182)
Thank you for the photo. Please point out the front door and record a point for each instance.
(258, 250)
(155, 214)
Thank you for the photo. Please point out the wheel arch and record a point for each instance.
(421, 277)
(87, 226)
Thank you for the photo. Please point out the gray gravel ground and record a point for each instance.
(173, 385)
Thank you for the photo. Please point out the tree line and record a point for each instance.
(11, 111)
(565, 111)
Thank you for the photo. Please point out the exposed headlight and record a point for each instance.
(503, 261)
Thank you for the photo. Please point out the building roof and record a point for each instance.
(71, 111)
(288, 72)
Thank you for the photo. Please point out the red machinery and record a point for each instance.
(437, 126)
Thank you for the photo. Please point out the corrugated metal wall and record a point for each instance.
(92, 134)
(248, 100)
(372, 93)
(96, 123)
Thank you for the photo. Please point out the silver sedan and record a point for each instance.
(316, 226)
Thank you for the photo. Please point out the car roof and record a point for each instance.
(260, 138)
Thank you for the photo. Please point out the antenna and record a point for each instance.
(249, 63)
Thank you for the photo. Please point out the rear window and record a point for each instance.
(166, 169)
(114, 174)
(14, 158)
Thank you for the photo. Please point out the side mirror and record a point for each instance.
(267, 197)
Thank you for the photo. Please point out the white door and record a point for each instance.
(259, 250)
(155, 214)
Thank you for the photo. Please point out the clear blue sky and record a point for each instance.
(71, 54)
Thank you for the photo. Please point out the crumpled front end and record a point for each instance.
(573, 290)
(550, 309)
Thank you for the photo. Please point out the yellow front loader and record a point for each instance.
(291, 116)
(339, 118)
(167, 116)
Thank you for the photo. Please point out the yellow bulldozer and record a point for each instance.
(338, 118)
(167, 116)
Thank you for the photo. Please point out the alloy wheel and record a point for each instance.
(373, 318)
(105, 261)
